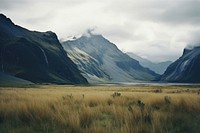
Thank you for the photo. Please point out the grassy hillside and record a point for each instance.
(70, 109)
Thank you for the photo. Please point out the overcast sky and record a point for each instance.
(154, 29)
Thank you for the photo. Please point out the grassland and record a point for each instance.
(70, 109)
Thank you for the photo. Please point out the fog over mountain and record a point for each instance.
(155, 29)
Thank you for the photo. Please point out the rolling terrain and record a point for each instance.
(8, 80)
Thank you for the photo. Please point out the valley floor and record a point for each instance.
(100, 109)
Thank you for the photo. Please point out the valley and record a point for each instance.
(100, 109)
(88, 66)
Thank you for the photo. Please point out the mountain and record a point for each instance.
(156, 67)
(35, 56)
(90, 67)
(186, 69)
(8, 80)
(106, 62)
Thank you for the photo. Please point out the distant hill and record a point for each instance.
(156, 67)
(35, 56)
(186, 69)
(100, 60)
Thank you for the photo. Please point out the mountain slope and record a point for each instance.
(35, 56)
(8, 80)
(156, 67)
(111, 62)
(186, 69)
(89, 66)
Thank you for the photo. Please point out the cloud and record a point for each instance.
(193, 39)
(155, 29)
(9, 4)
(159, 11)
(185, 12)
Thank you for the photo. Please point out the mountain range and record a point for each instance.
(35, 56)
(29, 57)
(101, 61)
(156, 67)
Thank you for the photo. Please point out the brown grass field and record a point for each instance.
(94, 109)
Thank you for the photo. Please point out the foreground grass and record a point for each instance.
(65, 109)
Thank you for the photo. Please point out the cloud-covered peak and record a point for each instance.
(192, 46)
(193, 39)
(90, 32)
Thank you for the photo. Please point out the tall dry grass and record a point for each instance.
(94, 110)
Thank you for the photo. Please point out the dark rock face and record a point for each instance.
(35, 56)
(186, 69)
(113, 64)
